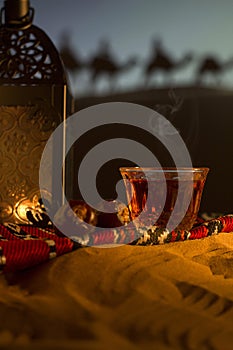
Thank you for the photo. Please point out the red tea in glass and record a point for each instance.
(168, 198)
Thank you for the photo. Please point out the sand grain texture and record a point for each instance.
(174, 296)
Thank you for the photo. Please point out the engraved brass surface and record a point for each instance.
(24, 131)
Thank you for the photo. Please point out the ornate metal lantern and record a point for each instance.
(34, 99)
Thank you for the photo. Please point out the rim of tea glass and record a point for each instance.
(165, 169)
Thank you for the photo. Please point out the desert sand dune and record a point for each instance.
(174, 296)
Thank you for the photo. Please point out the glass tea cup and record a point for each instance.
(164, 197)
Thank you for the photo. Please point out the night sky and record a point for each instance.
(201, 27)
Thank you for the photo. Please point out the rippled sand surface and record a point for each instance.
(174, 296)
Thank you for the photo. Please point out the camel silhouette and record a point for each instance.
(210, 66)
(103, 63)
(72, 62)
(163, 62)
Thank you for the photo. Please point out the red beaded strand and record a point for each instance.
(22, 247)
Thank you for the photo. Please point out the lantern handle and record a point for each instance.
(13, 21)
